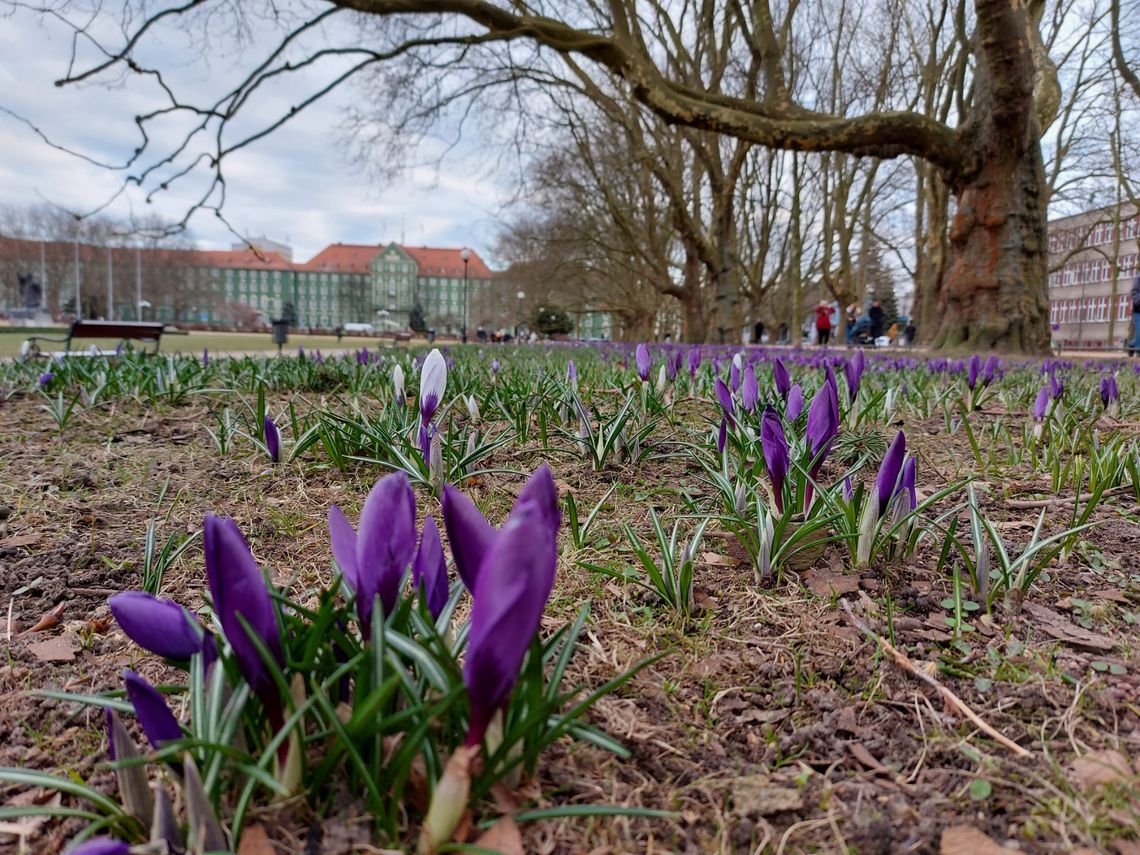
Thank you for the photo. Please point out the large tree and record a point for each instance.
(992, 290)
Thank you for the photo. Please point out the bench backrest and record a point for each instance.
(116, 329)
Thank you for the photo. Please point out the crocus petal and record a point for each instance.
(887, 482)
(433, 383)
(775, 447)
(101, 846)
(398, 384)
(795, 404)
(163, 627)
(468, 533)
(822, 424)
(734, 373)
(154, 715)
(1041, 405)
(724, 396)
(342, 538)
(973, 371)
(749, 389)
(385, 544)
(272, 439)
(853, 369)
(429, 572)
(514, 582)
(237, 587)
(641, 356)
(694, 361)
(781, 378)
(722, 436)
(541, 491)
(910, 480)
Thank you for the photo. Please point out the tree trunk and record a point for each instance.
(994, 293)
(692, 302)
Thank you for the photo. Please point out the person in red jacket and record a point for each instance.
(823, 323)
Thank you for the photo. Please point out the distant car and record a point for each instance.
(367, 329)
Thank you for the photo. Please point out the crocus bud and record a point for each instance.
(749, 389)
(641, 357)
(781, 378)
(868, 522)
(740, 498)
(398, 384)
(155, 717)
(472, 407)
(134, 790)
(661, 379)
(433, 383)
(429, 571)
(435, 459)
(766, 532)
(272, 439)
(161, 626)
(795, 404)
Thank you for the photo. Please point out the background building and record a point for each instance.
(1092, 259)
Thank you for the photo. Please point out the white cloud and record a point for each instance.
(295, 183)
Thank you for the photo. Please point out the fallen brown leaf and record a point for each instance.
(715, 559)
(254, 841)
(967, 840)
(20, 540)
(1065, 631)
(761, 795)
(61, 649)
(502, 837)
(1100, 767)
(824, 583)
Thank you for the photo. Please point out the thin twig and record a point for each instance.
(1066, 500)
(952, 700)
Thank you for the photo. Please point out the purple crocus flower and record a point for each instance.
(468, 533)
(848, 490)
(795, 404)
(887, 483)
(694, 361)
(1041, 405)
(853, 369)
(163, 627)
(46, 378)
(989, 370)
(101, 846)
(749, 389)
(973, 371)
(775, 447)
(272, 439)
(1108, 390)
(154, 715)
(238, 588)
(734, 373)
(429, 571)
(725, 398)
(823, 422)
(671, 365)
(495, 366)
(433, 383)
(373, 559)
(1056, 386)
(514, 581)
(722, 435)
(205, 357)
(781, 378)
(678, 361)
(641, 357)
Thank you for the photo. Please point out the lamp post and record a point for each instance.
(521, 295)
(465, 254)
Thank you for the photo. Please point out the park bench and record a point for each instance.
(124, 331)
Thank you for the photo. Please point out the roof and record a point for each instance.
(343, 258)
(246, 259)
(434, 261)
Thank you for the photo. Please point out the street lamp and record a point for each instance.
(465, 254)
(518, 315)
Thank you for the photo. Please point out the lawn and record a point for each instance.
(196, 342)
(890, 606)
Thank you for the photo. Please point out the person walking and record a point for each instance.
(823, 323)
(1134, 349)
(878, 316)
(852, 317)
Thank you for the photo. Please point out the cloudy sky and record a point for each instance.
(296, 185)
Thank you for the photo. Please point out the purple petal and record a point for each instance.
(795, 404)
(468, 533)
(775, 447)
(887, 483)
(238, 587)
(386, 543)
(750, 389)
(724, 396)
(514, 582)
(272, 439)
(1041, 405)
(342, 537)
(694, 361)
(781, 378)
(154, 715)
(101, 846)
(430, 569)
(641, 355)
(910, 480)
(163, 627)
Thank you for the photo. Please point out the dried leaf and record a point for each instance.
(60, 649)
(715, 559)
(1065, 631)
(824, 583)
(254, 841)
(760, 795)
(502, 837)
(967, 840)
(1100, 767)
(20, 540)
